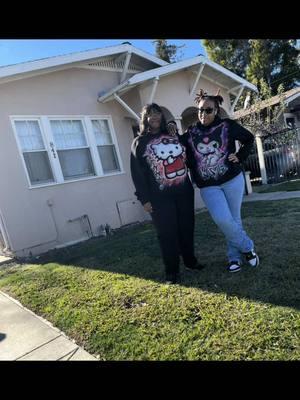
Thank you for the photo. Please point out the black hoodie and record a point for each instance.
(208, 148)
(158, 167)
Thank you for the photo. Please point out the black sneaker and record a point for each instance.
(252, 258)
(196, 267)
(234, 266)
(172, 278)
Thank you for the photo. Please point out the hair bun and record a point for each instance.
(200, 95)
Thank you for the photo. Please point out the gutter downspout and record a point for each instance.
(4, 234)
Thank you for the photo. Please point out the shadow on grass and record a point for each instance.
(274, 226)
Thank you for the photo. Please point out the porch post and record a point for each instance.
(261, 159)
(152, 94)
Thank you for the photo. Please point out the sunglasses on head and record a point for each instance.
(207, 110)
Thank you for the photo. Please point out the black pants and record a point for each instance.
(174, 220)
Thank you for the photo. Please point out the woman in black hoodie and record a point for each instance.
(163, 186)
(216, 169)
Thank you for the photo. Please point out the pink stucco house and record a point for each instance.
(66, 127)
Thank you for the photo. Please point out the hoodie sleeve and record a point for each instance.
(245, 137)
(137, 174)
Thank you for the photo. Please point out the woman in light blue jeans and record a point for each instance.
(216, 169)
(224, 205)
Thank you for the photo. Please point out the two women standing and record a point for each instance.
(159, 161)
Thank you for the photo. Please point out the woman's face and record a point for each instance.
(206, 111)
(154, 119)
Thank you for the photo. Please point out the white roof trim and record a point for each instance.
(57, 61)
(293, 97)
(170, 68)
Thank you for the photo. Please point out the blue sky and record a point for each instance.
(13, 51)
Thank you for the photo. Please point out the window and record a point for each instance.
(72, 149)
(105, 146)
(61, 149)
(34, 152)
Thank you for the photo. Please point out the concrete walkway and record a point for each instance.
(272, 196)
(24, 336)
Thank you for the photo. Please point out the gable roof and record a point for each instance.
(212, 71)
(31, 68)
(288, 97)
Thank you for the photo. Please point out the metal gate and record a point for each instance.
(281, 152)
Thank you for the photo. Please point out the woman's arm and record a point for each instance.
(138, 177)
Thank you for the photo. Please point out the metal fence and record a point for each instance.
(281, 152)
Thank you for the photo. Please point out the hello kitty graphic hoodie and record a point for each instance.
(208, 148)
(158, 166)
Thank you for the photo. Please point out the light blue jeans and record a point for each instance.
(224, 205)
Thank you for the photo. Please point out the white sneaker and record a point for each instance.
(234, 266)
(252, 258)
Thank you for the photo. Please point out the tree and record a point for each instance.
(275, 62)
(165, 51)
(264, 119)
(231, 54)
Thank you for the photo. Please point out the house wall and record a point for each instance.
(31, 224)
(38, 219)
(173, 92)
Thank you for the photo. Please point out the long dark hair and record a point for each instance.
(217, 99)
(144, 126)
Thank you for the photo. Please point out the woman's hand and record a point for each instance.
(148, 207)
(232, 157)
(172, 128)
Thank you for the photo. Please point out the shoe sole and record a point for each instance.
(234, 270)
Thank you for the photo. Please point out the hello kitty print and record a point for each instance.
(166, 157)
(210, 150)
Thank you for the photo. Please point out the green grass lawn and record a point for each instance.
(278, 187)
(109, 295)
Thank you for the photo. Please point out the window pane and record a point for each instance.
(38, 167)
(29, 135)
(76, 163)
(108, 158)
(102, 132)
(68, 134)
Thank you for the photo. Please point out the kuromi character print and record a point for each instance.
(210, 151)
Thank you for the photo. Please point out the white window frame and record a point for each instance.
(88, 144)
(47, 136)
(113, 138)
(38, 119)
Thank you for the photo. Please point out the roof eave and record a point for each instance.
(61, 61)
(144, 76)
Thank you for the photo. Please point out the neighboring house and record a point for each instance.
(66, 127)
(289, 118)
(276, 157)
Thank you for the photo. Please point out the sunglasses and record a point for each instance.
(208, 110)
(168, 141)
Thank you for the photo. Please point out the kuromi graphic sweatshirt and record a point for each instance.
(208, 148)
(158, 166)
